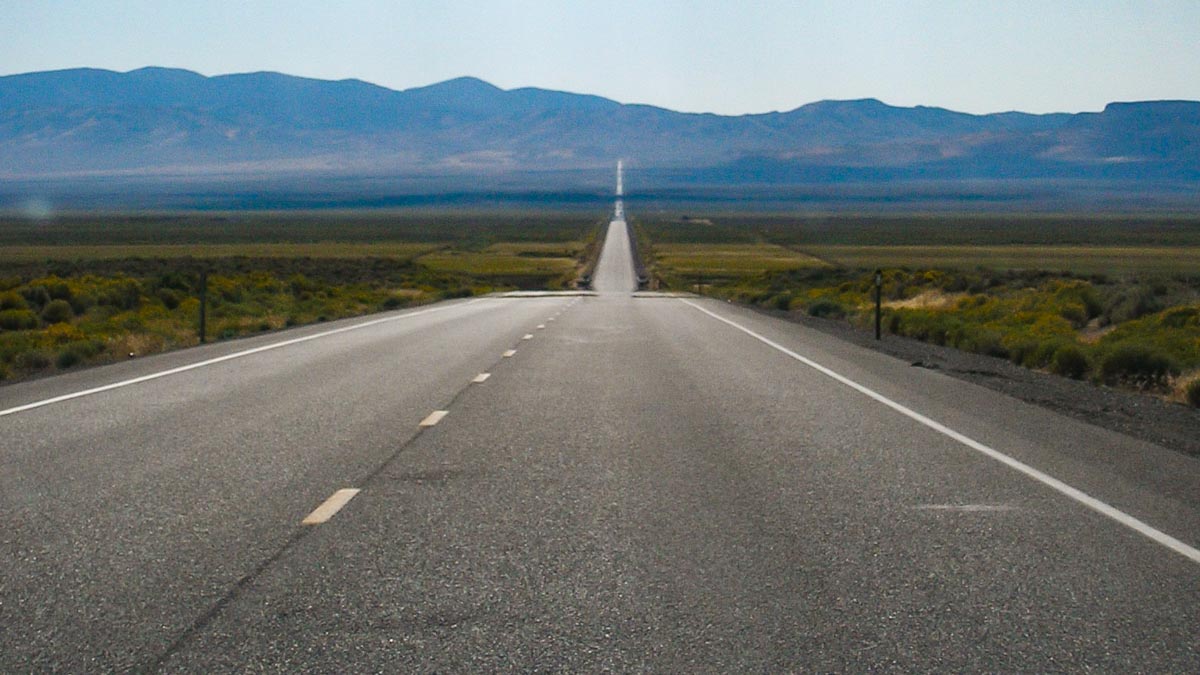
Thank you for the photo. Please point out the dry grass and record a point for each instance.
(1076, 259)
(566, 249)
(927, 300)
(730, 260)
(1179, 386)
(138, 344)
(489, 263)
(24, 254)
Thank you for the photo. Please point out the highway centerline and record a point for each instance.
(433, 418)
(330, 506)
(1087, 500)
(222, 359)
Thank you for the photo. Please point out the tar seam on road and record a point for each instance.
(1158, 536)
(207, 617)
(221, 359)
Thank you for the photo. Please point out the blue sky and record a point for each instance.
(696, 55)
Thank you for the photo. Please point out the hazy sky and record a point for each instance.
(693, 55)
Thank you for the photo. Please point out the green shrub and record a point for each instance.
(1182, 317)
(11, 300)
(77, 352)
(174, 280)
(1132, 304)
(82, 303)
(301, 286)
(829, 309)
(58, 289)
(67, 358)
(1076, 314)
(1044, 354)
(36, 296)
(1136, 364)
(18, 319)
(1021, 350)
(1191, 393)
(123, 293)
(1069, 360)
(982, 341)
(58, 311)
(32, 360)
(170, 298)
(1079, 301)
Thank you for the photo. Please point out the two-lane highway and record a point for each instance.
(615, 270)
(128, 513)
(638, 483)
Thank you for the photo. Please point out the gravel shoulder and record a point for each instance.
(1141, 416)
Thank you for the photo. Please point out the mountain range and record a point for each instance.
(158, 121)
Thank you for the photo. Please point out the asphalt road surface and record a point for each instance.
(614, 270)
(639, 483)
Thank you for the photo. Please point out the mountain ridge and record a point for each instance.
(154, 118)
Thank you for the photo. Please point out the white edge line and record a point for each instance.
(1087, 500)
(330, 506)
(221, 359)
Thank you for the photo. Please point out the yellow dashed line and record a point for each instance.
(433, 418)
(330, 506)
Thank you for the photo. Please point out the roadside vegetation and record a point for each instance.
(86, 290)
(1064, 295)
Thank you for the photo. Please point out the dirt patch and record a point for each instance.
(1093, 331)
(1141, 416)
(927, 300)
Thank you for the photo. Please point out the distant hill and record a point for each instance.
(155, 120)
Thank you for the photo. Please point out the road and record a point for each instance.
(639, 483)
(615, 270)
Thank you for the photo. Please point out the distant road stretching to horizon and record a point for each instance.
(617, 481)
